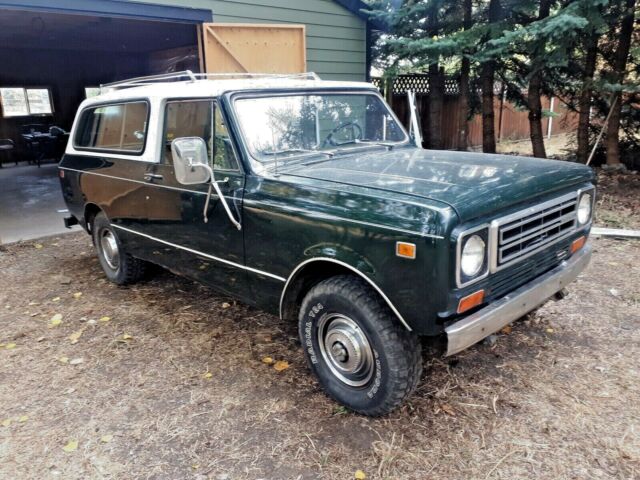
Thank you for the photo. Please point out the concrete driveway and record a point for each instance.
(31, 204)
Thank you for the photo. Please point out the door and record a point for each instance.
(264, 48)
(195, 238)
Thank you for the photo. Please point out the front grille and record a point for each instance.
(523, 233)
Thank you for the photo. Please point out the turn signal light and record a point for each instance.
(406, 250)
(577, 244)
(471, 301)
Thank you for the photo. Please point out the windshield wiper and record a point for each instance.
(370, 142)
(328, 153)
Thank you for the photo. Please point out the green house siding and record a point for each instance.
(336, 38)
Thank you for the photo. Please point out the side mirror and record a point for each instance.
(190, 160)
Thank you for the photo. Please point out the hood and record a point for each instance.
(473, 184)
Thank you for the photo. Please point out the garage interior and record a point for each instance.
(60, 58)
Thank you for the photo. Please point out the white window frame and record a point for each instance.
(27, 111)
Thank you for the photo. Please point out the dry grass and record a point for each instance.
(557, 397)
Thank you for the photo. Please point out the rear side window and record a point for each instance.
(119, 127)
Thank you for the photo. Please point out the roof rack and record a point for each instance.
(188, 75)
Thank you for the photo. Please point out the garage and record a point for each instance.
(53, 55)
(52, 58)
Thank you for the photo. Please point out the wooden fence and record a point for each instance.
(511, 122)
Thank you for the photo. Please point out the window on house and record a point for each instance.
(117, 127)
(21, 102)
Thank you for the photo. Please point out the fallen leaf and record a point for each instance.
(6, 423)
(226, 305)
(10, 346)
(72, 446)
(38, 246)
(126, 336)
(448, 409)
(549, 330)
(359, 475)
(55, 320)
(281, 365)
(77, 295)
(105, 319)
(63, 359)
(75, 336)
(207, 375)
(267, 360)
(506, 329)
(56, 299)
(76, 361)
(106, 438)
(23, 418)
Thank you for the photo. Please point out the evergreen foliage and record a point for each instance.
(584, 52)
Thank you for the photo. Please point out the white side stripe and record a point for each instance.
(202, 254)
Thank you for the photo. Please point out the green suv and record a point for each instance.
(308, 199)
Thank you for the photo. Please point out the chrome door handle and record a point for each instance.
(152, 176)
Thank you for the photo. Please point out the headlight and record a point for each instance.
(473, 254)
(584, 208)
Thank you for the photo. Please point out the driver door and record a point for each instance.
(211, 251)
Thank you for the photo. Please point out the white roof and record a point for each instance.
(212, 88)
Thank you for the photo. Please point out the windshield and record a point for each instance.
(283, 127)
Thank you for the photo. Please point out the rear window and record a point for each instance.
(118, 127)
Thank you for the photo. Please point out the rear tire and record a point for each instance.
(119, 266)
(362, 356)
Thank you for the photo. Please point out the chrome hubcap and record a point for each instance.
(345, 349)
(109, 247)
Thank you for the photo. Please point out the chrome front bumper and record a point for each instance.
(493, 317)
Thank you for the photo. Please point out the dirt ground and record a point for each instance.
(172, 384)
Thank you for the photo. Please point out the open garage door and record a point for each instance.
(52, 56)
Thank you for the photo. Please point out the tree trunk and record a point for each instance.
(534, 92)
(463, 101)
(436, 88)
(535, 115)
(584, 102)
(487, 77)
(619, 66)
(436, 93)
(488, 118)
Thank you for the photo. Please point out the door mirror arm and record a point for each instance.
(214, 184)
(190, 163)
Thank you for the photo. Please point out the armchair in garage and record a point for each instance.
(6, 150)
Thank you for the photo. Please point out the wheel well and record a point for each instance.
(90, 211)
(308, 277)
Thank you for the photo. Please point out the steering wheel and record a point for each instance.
(357, 134)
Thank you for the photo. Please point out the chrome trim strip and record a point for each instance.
(202, 254)
(248, 202)
(464, 333)
(148, 184)
(353, 269)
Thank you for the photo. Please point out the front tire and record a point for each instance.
(119, 266)
(361, 355)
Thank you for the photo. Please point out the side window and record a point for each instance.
(223, 155)
(199, 118)
(118, 127)
(186, 119)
